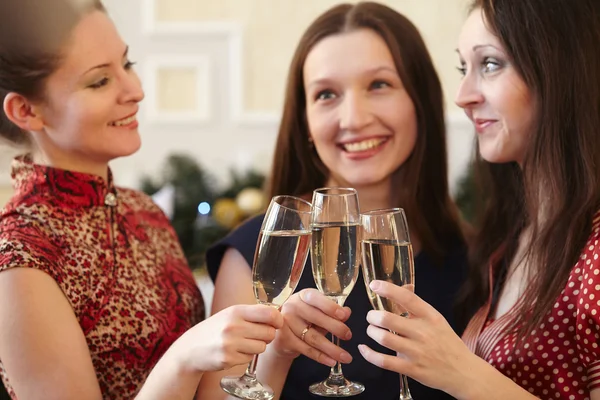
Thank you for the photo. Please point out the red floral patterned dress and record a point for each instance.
(117, 260)
(561, 360)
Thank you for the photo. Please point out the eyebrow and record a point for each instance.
(483, 46)
(478, 47)
(371, 71)
(105, 65)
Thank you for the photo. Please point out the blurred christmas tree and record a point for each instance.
(203, 214)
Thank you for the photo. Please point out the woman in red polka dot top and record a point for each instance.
(531, 87)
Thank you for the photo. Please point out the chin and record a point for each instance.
(126, 149)
(497, 150)
(363, 180)
(495, 157)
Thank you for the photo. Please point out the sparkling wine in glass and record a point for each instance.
(335, 265)
(281, 252)
(387, 255)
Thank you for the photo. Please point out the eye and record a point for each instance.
(490, 65)
(379, 84)
(462, 69)
(129, 65)
(99, 84)
(325, 95)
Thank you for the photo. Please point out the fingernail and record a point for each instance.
(340, 313)
(330, 362)
(374, 285)
(348, 335)
(304, 296)
(362, 348)
(346, 358)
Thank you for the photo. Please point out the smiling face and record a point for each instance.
(493, 95)
(91, 100)
(360, 117)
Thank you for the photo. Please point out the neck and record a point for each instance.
(371, 197)
(71, 162)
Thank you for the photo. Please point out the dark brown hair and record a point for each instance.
(420, 186)
(553, 45)
(32, 34)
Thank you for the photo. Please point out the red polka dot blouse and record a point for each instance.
(562, 358)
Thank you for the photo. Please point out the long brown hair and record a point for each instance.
(420, 186)
(553, 45)
(32, 35)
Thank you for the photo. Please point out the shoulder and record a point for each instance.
(583, 284)
(137, 197)
(250, 227)
(583, 293)
(23, 227)
(27, 241)
(589, 259)
(139, 203)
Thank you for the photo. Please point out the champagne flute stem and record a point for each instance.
(251, 369)
(404, 392)
(336, 370)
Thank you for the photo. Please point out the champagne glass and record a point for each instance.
(334, 253)
(387, 255)
(281, 252)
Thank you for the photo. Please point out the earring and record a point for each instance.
(311, 142)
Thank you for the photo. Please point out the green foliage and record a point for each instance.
(193, 185)
(241, 181)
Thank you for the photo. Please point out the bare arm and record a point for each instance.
(42, 347)
(230, 337)
(478, 380)
(433, 354)
(487, 383)
(45, 353)
(169, 380)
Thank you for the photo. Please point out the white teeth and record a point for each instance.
(364, 145)
(123, 122)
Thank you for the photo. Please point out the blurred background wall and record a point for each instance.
(214, 74)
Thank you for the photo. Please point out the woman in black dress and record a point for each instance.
(363, 109)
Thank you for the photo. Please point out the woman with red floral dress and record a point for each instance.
(96, 298)
(531, 87)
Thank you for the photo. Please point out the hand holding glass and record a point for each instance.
(387, 256)
(281, 252)
(334, 255)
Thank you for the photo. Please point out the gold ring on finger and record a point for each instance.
(305, 331)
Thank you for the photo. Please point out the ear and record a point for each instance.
(22, 112)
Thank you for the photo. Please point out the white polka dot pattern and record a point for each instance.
(561, 360)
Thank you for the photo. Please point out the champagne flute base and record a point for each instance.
(336, 386)
(246, 387)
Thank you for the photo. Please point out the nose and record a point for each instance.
(132, 91)
(469, 93)
(355, 112)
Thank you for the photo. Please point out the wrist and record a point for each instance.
(472, 379)
(177, 359)
(170, 375)
(283, 358)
